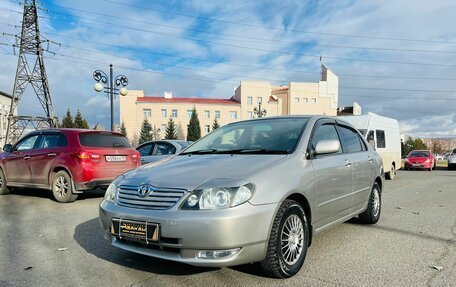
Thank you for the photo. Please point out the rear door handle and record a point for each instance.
(347, 163)
(51, 154)
(26, 157)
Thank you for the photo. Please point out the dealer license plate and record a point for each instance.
(137, 230)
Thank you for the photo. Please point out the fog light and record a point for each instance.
(218, 254)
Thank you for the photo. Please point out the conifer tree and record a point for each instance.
(194, 129)
(171, 133)
(146, 132)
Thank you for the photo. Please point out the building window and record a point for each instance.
(217, 114)
(259, 100)
(233, 115)
(189, 113)
(147, 113)
(207, 129)
(207, 114)
(163, 128)
(164, 113)
(296, 100)
(249, 115)
(249, 100)
(314, 100)
(305, 100)
(174, 113)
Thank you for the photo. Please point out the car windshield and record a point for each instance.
(267, 136)
(419, 154)
(183, 144)
(106, 140)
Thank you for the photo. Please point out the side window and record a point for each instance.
(350, 140)
(381, 143)
(145, 149)
(325, 132)
(164, 149)
(53, 141)
(26, 144)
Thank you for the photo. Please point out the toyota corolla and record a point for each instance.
(255, 191)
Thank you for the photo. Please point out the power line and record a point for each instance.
(275, 41)
(277, 28)
(78, 60)
(110, 24)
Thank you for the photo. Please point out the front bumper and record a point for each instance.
(421, 165)
(184, 233)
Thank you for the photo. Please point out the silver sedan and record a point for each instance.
(254, 191)
(154, 151)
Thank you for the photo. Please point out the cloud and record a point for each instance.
(189, 62)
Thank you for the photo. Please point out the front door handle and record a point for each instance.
(51, 154)
(26, 157)
(348, 163)
(371, 160)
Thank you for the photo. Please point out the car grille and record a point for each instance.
(160, 198)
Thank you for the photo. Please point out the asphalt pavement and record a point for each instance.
(45, 243)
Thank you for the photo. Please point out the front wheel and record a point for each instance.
(3, 188)
(288, 242)
(374, 207)
(62, 187)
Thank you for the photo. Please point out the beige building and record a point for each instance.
(296, 98)
(5, 103)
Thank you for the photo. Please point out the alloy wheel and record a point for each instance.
(61, 186)
(376, 202)
(292, 239)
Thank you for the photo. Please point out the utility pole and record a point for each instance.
(259, 111)
(30, 71)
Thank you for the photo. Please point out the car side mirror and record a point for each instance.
(8, 148)
(327, 147)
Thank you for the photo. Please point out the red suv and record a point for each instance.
(66, 161)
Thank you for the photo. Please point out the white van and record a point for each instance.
(383, 134)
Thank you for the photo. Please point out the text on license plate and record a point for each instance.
(116, 158)
(139, 230)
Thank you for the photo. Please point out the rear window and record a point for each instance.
(106, 140)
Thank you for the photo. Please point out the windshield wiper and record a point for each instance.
(202, 151)
(252, 151)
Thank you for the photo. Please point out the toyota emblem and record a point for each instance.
(145, 190)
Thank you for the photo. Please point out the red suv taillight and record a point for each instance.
(135, 157)
(86, 156)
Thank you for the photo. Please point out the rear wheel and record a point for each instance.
(374, 207)
(288, 242)
(392, 173)
(62, 187)
(3, 188)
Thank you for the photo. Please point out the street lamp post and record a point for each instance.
(103, 84)
(259, 112)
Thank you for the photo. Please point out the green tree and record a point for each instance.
(80, 122)
(413, 144)
(67, 121)
(194, 129)
(146, 132)
(215, 124)
(123, 129)
(171, 133)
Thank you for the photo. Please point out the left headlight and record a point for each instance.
(218, 198)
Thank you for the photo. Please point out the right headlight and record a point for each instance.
(218, 198)
(111, 192)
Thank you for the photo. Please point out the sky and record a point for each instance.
(394, 58)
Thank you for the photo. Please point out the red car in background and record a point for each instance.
(420, 159)
(66, 161)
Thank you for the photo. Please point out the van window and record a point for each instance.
(380, 139)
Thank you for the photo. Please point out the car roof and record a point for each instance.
(71, 130)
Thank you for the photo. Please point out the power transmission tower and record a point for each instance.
(30, 71)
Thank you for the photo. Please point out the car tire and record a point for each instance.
(374, 207)
(285, 254)
(62, 187)
(3, 188)
(392, 173)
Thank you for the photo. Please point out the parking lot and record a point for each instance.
(44, 243)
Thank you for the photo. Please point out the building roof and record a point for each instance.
(5, 94)
(187, 100)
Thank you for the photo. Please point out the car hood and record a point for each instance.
(418, 159)
(189, 172)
